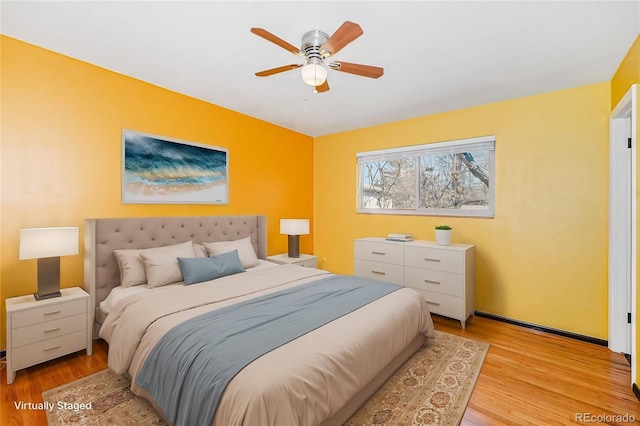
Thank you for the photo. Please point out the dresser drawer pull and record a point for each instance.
(431, 282)
(431, 260)
(378, 252)
(52, 329)
(433, 303)
(379, 272)
(52, 348)
(52, 312)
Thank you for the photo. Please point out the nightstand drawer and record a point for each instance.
(49, 312)
(379, 271)
(307, 263)
(38, 352)
(433, 258)
(379, 252)
(435, 281)
(48, 330)
(443, 304)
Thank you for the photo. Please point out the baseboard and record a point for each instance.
(555, 331)
(636, 391)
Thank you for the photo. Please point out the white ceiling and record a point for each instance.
(437, 55)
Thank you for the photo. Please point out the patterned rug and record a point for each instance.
(432, 388)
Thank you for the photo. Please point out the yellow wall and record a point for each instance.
(543, 258)
(1, 291)
(628, 73)
(61, 155)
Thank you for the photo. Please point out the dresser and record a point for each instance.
(443, 275)
(39, 331)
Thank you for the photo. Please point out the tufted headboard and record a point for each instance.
(103, 236)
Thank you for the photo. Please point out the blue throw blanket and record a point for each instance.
(190, 366)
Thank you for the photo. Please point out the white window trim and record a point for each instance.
(454, 146)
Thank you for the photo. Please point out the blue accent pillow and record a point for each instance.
(199, 269)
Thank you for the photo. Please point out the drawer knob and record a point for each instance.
(52, 329)
(379, 272)
(52, 348)
(52, 312)
(378, 252)
(428, 259)
(433, 303)
(431, 282)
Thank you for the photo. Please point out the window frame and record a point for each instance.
(416, 151)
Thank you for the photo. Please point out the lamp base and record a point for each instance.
(294, 246)
(48, 278)
(46, 296)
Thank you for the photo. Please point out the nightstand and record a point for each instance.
(38, 331)
(308, 260)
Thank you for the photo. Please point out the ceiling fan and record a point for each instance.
(315, 48)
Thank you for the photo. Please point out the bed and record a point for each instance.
(320, 376)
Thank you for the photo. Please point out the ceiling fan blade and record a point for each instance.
(358, 69)
(324, 87)
(277, 70)
(344, 35)
(277, 40)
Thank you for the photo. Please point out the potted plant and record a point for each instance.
(443, 235)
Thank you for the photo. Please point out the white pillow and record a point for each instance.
(245, 249)
(161, 264)
(200, 250)
(132, 267)
(132, 270)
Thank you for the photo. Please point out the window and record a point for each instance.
(454, 178)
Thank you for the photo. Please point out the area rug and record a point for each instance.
(432, 388)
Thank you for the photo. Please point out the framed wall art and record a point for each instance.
(161, 170)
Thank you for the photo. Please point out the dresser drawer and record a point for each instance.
(45, 350)
(49, 312)
(443, 304)
(436, 259)
(379, 271)
(435, 281)
(48, 330)
(379, 252)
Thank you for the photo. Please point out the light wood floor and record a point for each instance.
(528, 377)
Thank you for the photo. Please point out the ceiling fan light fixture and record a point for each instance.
(313, 73)
(316, 47)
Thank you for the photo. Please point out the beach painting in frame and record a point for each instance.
(160, 170)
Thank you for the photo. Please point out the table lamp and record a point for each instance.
(294, 228)
(47, 245)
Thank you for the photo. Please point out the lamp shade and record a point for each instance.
(38, 243)
(294, 226)
(313, 74)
